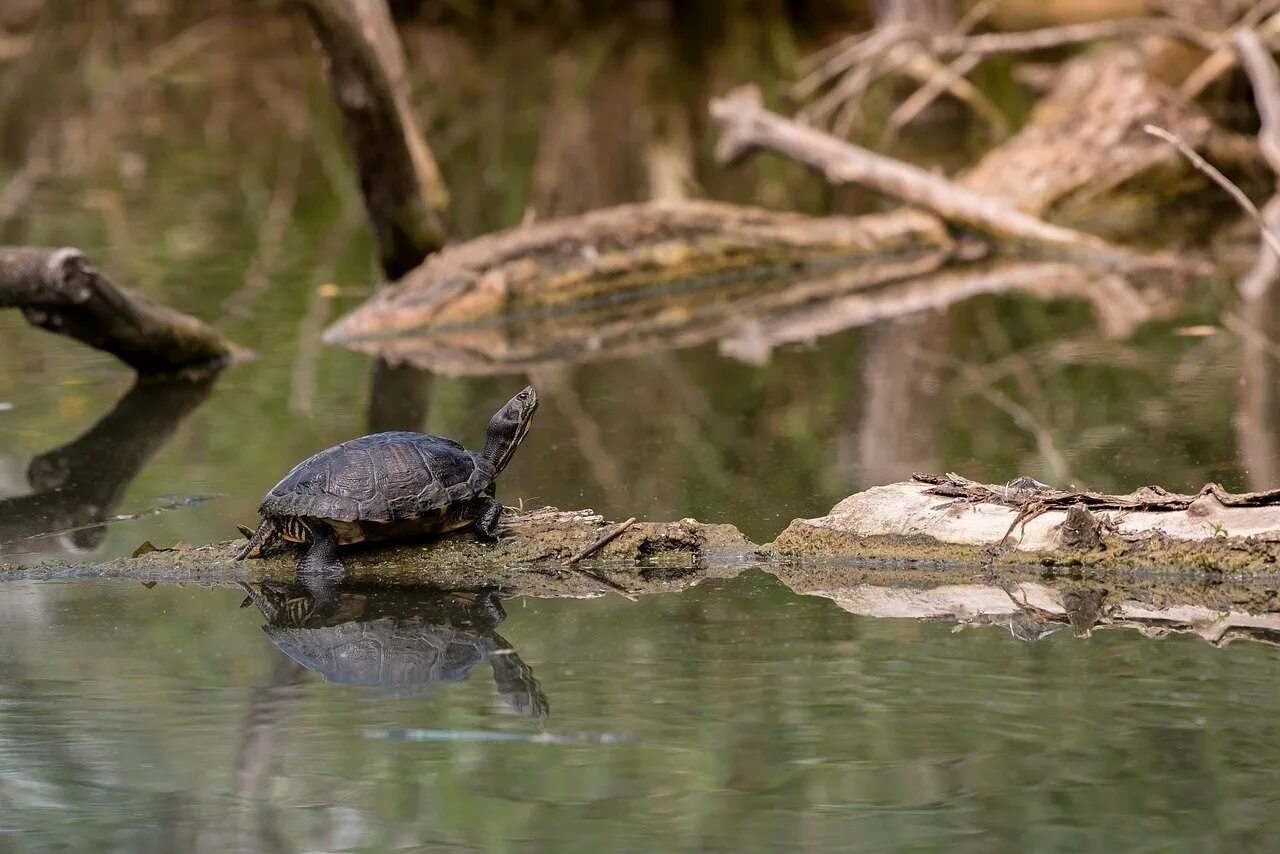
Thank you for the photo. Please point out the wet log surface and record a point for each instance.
(528, 559)
(58, 290)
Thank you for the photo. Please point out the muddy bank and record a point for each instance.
(951, 519)
(529, 559)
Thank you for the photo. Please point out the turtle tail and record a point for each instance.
(267, 535)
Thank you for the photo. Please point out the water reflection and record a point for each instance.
(1032, 607)
(396, 637)
(75, 487)
(749, 315)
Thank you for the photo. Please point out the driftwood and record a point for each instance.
(58, 290)
(951, 518)
(404, 193)
(624, 253)
(528, 559)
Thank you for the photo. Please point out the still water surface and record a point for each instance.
(748, 718)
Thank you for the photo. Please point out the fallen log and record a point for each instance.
(621, 254)
(952, 519)
(527, 560)
(58, 290)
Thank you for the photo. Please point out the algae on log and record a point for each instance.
(949, 518)
(1032, 605)
(527, 560)
(625, 252)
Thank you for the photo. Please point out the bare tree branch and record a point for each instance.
(58, 290)
(746, 126)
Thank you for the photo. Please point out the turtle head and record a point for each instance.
(508, 427)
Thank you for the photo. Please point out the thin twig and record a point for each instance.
(1221, 180)
(604, 540)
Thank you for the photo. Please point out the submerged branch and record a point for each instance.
(58, 290)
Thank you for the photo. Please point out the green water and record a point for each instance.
(746, 717)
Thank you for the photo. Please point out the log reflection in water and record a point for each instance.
(399, 397)
(75, 487)
(751, 316)
(1033, 606)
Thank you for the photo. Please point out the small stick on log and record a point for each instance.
(1221, 180)
(746, 125)
(58, 290)
(602, 542)
(403, 190)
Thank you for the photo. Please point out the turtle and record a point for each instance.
(388, 486)
(400, 638)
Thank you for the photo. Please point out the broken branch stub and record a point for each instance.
(58, 290)
(747, 126)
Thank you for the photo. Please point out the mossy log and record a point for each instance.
(948, 518)
(528, 559)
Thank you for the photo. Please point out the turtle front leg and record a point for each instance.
(321, 563)
(488, 512)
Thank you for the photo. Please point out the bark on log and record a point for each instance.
(404, 193)
(647, 557)
(58, 290)
(949, 518)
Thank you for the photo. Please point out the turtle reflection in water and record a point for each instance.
(389, 486)
(395, 637)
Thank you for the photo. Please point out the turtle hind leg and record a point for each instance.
(488, 512)
(266, 536)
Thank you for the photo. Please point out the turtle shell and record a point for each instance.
(386, 477)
